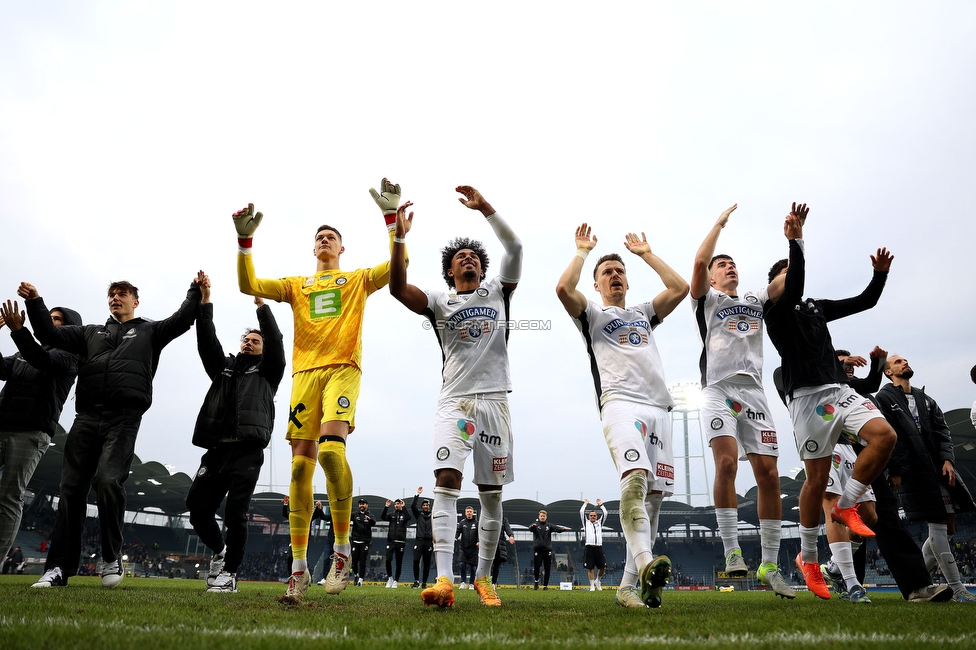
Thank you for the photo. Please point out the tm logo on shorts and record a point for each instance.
(325, 304)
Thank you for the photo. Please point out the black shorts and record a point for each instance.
(593, 558)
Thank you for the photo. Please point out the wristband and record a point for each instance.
(399, 240)
(244, 242)
(582, 253)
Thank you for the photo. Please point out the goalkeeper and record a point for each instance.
(326, 368)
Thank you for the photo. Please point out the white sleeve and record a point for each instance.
(510, 268)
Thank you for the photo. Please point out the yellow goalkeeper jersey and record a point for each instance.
(327, 307)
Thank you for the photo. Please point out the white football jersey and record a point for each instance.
(472, 331)
(731, 331)
(624, 358)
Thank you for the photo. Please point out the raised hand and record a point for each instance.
(878, 353)
(388, 198)
(404, 222)
(203, 281)
(10, 316)
(583, 239)
(246, 220)
(473, 199)
(258, 301)
(724, 217)
(637, 245)
(882, 261)
(27, 291)
(800, 210)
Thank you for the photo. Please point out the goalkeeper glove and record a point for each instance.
(388, 200)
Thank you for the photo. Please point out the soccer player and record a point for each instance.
(632, 396)
(328, 310)
(36, 383)
(234, 426)
(922, 469)
(819, 397)
(734, 403)
(117, 361)
(593, 557)
(472, 418)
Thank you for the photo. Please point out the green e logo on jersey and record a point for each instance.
(325, 304)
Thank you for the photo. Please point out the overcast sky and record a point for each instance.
(130, 132)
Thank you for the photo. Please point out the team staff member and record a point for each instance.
(466, 535)
(328, 308)
(396, 539)
(38, 379)
(542, 531)
(423, 548)
(593, 558)
(501, 553)
(361, 535)
(234, 426)
(116, 365)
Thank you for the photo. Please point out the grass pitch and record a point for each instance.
(156, 613)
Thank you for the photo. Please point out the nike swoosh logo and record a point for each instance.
(669, 483)
(341, 412)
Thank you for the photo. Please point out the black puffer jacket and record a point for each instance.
(38, 379)
(398, 524)
(116, 361)
(240, 402)
(919, 455)
(424, 528)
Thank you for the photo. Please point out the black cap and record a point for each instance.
(364, 501)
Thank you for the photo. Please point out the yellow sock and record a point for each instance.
(338, 483)
(300, 504)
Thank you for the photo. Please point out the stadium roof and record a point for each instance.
(151, 488)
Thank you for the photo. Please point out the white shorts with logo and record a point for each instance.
(841, 470)
(639, 437)
(480, 424)
(821, 414)
(737, 407)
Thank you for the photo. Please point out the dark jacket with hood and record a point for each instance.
(424, 527)
(116, 361)
(240, 403)
(38, 379)
(919, 455)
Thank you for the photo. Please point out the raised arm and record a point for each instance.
(510, 268)
(246, 221)
(70, 338)
(573, 301)
(872, 382)
(208, 347)
(273, 353)
(834, 309)
(412, 297)
(56, 362)
(182, 319)
(387, 199)
(699, 272)
(675, 287)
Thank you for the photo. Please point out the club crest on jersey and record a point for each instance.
(466, 428)
(642, 428)
(202, 471)
(325, 304)
(341, 281)
(633, 337)
(631, 455)
(752, 299)
(443, 453)
(716, 424)
(743, 325)
(811, 446)
(344, 402)
(481, 291)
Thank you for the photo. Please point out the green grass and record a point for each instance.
(157, 613)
